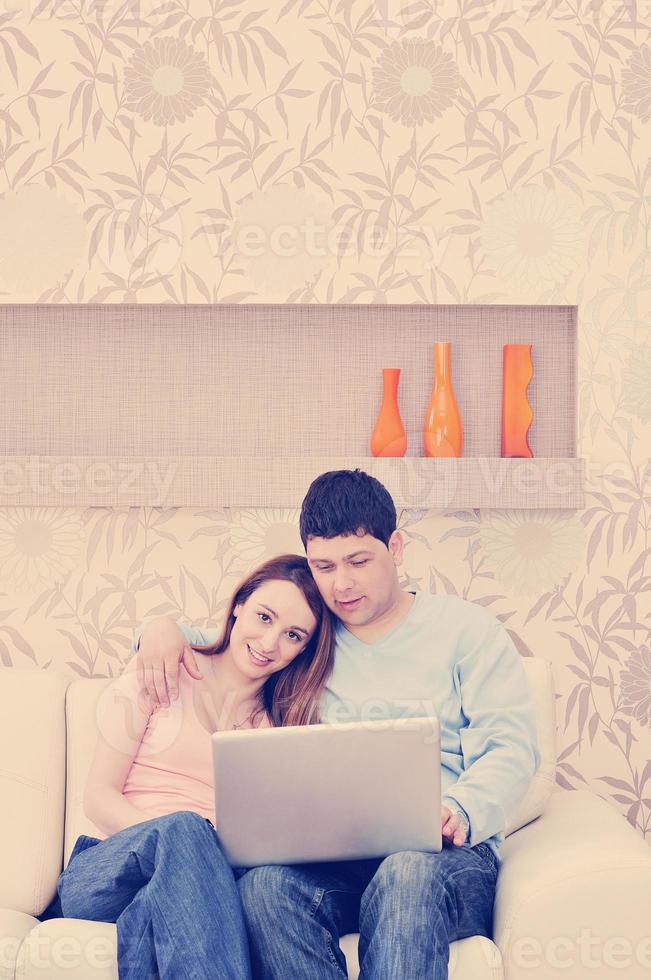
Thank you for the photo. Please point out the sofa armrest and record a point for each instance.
(573, 895)
(14, 929)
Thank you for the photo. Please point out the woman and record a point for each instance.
(159, 872)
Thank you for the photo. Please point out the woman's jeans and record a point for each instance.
(408, 908)
(171, 892)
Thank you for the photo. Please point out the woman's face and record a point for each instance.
(271, 628)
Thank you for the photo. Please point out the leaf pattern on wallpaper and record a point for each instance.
(407, 152)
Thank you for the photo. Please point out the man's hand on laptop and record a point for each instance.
(162, 648)
(451, 826)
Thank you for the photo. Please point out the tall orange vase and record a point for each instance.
(516, 410)
(442, 430)
(388, 438)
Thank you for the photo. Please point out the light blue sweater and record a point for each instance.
(452, 659)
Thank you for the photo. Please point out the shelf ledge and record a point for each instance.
(245, 481)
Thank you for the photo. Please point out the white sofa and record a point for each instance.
(573, 895)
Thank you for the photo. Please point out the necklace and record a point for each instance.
(235, 727)
(249, 718)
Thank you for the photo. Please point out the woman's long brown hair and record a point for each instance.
(290, 696)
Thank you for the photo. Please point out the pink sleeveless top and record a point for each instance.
(172, 766)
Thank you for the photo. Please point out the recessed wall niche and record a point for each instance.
(243, 405)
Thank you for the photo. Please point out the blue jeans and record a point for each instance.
(408, 908)
(171, 892)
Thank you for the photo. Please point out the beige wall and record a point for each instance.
(157, 154)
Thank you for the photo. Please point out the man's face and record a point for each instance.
(356, 574)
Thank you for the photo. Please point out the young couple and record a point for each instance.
(323, 639)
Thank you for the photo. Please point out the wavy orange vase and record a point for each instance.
(442, 431)
(516, 410)
(388, 438)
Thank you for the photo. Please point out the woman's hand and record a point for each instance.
(162, 648)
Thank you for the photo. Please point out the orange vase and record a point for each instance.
(442, 431)
(516, 410)
(388, 438)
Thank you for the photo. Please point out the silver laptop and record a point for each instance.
(328, 792)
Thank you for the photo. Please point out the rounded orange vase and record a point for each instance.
(388, 438)
(442, 430)
(516, 410)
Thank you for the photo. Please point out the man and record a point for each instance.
(397, 653)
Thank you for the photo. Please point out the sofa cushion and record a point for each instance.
(73, 949)
(541, 687)
(81, 714)
(32, 786)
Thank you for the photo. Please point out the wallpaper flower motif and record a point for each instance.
(533, 236)
(256, 535)
(414, 81)
(42, 236)
(636, 83)
(166, 81)
(531, 551)
(635, 683)
(38, 546)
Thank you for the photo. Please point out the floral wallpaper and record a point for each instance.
(437, 151)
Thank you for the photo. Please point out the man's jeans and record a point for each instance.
(172, 893)
(408, 908)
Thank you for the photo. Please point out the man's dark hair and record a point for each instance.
(345, 502)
